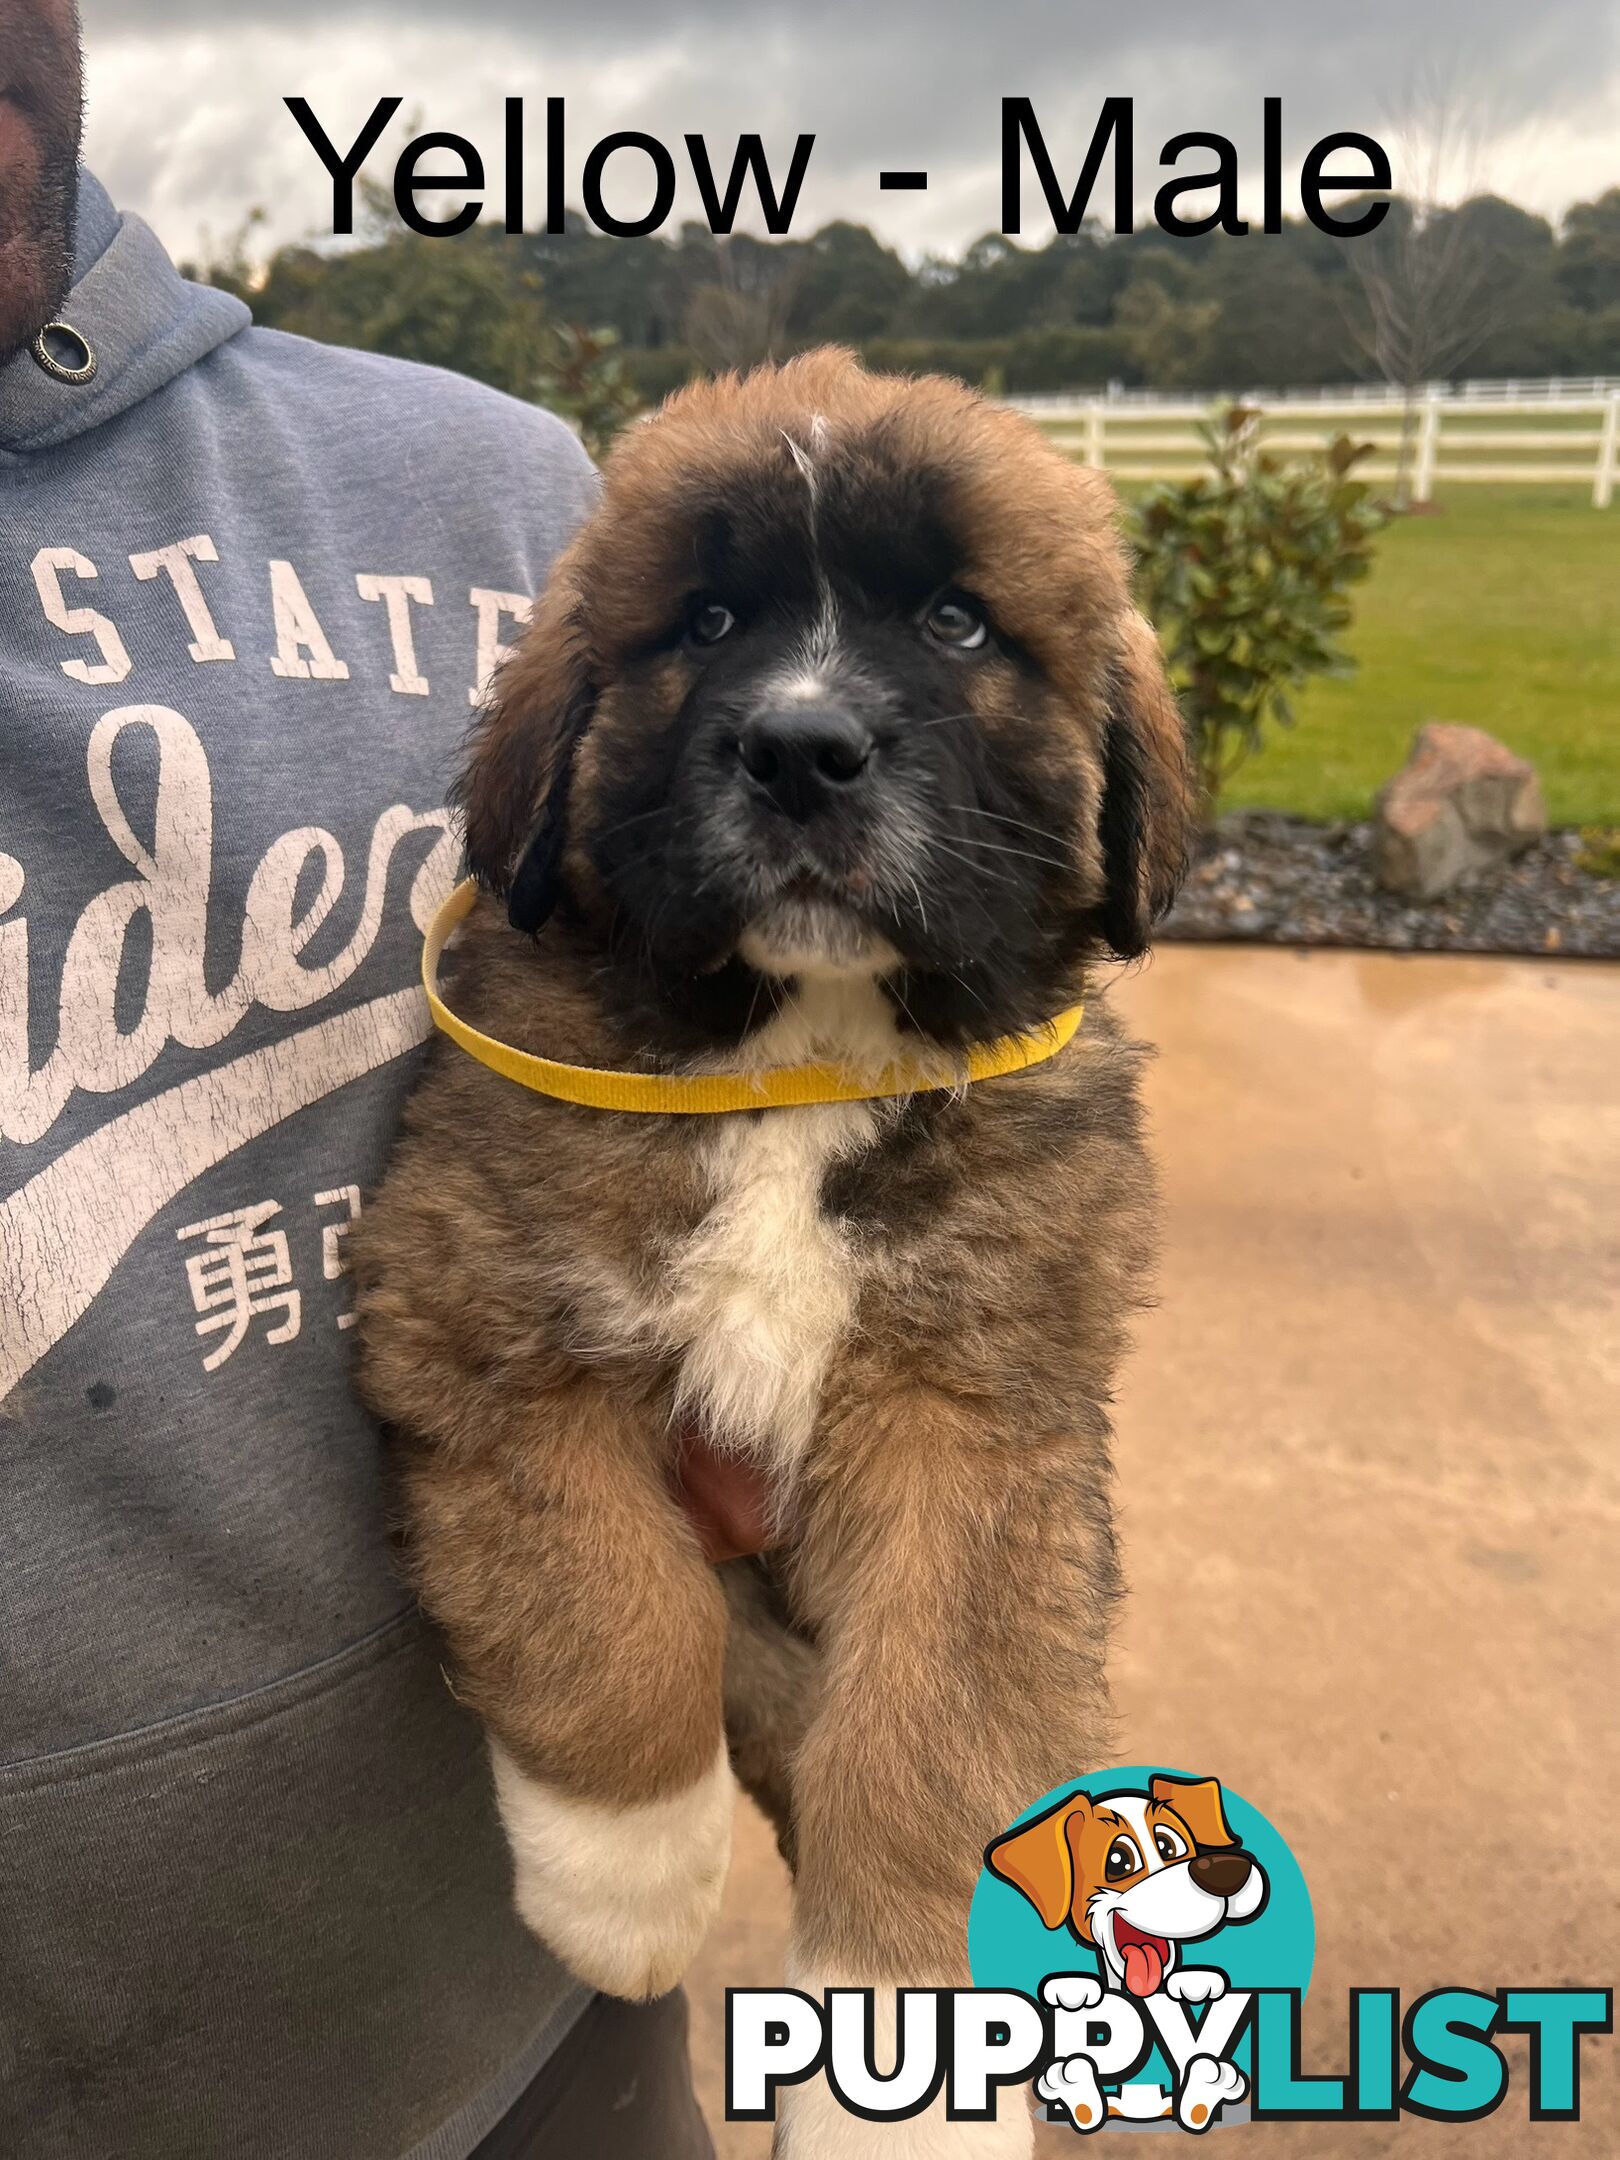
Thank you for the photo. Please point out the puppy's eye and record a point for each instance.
(1123, 1859)
(1168, 1845)
(954, 619)
(708, 622)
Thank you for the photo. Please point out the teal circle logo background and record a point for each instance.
(1009, 1948)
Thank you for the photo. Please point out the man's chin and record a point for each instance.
(23, 310)
(37, 214)
(814, 937)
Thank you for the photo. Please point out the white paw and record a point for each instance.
(1072, 2085)
(1198, 1983)
(623, 1895)
(810, 2125)
(1207, 2085)
(1072, 1991)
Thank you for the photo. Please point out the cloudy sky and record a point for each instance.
(187, 126)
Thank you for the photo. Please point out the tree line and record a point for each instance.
(1518, 297)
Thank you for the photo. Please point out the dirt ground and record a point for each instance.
(1369, 1455)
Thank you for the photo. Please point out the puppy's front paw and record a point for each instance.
(1197, 1983)
(1206, 2086)
(810, 2125)
(1072, 2085)
(623, 1895)
(1072, 1991)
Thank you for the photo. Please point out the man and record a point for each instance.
(253, 1898)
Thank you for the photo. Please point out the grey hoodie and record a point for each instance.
(253, 1900)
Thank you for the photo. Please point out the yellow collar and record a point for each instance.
(782, 1087)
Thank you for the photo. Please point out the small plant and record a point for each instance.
(1599, 854)
(1245, 571)
(583, 378)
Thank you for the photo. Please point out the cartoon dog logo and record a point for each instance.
(1135, 1876)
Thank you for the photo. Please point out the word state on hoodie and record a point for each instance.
(168, 583)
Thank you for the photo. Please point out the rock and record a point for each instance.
(1460, 805)
(1303, 884)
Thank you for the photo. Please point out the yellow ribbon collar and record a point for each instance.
(782, 1087)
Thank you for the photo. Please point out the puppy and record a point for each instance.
(835, 737)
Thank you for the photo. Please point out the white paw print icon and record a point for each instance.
(1072, 2086)
(1072, 1991)
(1206, 2087)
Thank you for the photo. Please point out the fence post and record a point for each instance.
(1248, 442)
(1608, 455)
(1094, 435)
(1428, 446)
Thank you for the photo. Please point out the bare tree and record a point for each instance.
(1431, 274)
(738, 315)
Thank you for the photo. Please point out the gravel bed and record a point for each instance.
(1278, 880)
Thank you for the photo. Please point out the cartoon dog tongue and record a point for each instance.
(1144, 1963)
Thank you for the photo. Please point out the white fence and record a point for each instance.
(1539, 390)
(1146, 435)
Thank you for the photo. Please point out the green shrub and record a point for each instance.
(1599, 851)
(583, 377)
(1245, 571)
(656, 370)
(1058, 358)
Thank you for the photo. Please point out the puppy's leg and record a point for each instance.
(959, 1572)
(588, 1633)
(773, 1674)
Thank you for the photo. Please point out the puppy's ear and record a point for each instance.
(1145, 822)
(1037, 1859)
(1198, 1802)
(513, 791)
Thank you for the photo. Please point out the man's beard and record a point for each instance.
(39, 180)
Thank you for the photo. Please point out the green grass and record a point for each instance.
(1502, 612)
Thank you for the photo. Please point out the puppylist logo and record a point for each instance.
(1145, 1877)
(1141, 1941)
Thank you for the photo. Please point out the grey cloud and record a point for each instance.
(878, 86)
(931, 55)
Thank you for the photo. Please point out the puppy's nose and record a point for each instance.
(1222, 1874)
(803, 755)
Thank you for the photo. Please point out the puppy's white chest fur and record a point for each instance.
(755, 1301)
(763, 1291)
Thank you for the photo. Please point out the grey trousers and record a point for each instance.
(618, 2088)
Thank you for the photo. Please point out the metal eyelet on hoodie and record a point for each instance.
(65, 353)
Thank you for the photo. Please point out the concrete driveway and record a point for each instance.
(1370, 1487)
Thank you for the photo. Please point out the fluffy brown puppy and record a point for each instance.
(835, 736)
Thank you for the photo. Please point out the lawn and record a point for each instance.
(1502, 611)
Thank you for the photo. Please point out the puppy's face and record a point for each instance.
(841, 676)
(1135, 1874)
